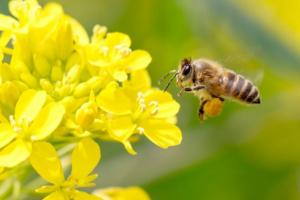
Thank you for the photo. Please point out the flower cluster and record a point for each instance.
(58, 86)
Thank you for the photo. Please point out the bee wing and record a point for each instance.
(257, 80)
(256, 76)
(246, 64)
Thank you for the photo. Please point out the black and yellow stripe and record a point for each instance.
(253, 97)
(231, 77)
(241, 88)
(238, 86)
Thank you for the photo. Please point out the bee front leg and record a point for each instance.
(191, 89)
(194, 88)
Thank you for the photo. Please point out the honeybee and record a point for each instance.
(212, 84)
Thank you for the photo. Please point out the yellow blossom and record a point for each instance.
(117, 193)
(34, 119)
(110, 53)
(85, 158)
(87, 119)
(10, 92)
(150, 112)
(56, 81)
(51, 61)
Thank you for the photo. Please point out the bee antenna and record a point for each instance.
(166, 76)
(170, 81)
(186, 61)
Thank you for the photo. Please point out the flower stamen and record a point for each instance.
(123, 49)
(140, 130)
(141, 101)
(154, 109)
(21, 124)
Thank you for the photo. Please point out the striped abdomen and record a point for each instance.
(238, 87)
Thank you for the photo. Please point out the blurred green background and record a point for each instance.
(249, 152)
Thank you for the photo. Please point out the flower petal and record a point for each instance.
(57, 195)
(46, 189)
(6, 134)
(120, 75)
(4, 40)
(7, 22)
(29, 104)
(78, 195)
(117, 39)
(121, 128)
(137, 60)
(95, 57)
(112, 99)
(65, 39)
(47, 121)
(139, 81)
(80, 35)
(162, 133)
(14, 153)
(45, 161)
(167, 106)
(85, 158)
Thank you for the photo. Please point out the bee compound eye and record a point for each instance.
(186, 69)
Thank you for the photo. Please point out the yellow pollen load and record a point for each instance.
(213, 107)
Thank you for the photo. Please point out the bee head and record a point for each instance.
(185, 71)
(183, 74)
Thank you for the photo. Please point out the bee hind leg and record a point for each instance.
(210, 107)
(201, 113)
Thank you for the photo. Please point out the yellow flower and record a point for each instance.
(87, 112)
(116, 193)
(85, 158)
(34, 20)
(49, 65)
(110, 53)
(10, 92)
(87, 119)
(150, 112)
(34, 120)
(51, 60)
